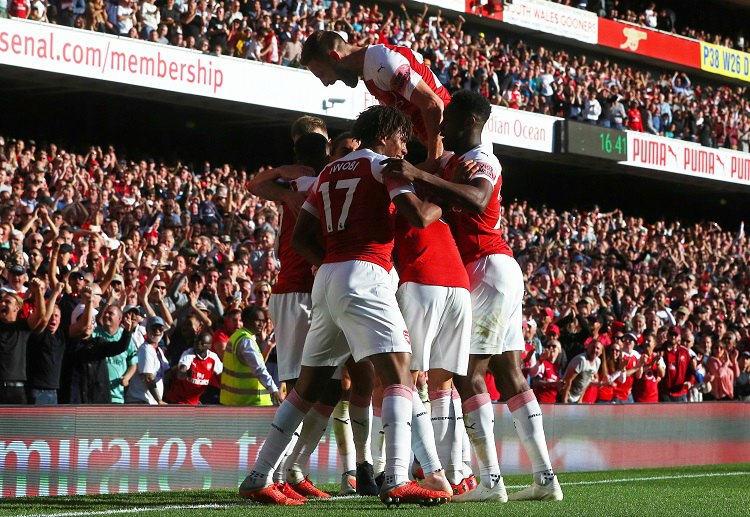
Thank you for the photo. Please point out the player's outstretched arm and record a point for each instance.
(473, 196)
(431, 108)
(419, 213)
(307, 240)
(264, 183)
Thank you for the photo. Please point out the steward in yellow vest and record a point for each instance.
(245, 380)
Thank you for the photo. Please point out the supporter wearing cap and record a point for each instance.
(681, 316)
(17, 278)
(133, 317)
(147, 386)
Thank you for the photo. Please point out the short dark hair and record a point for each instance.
(318, 45)
(249, 314)
(380, 122)
(312, 150)
(473, 103)
(336, 140)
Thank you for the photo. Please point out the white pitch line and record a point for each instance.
(122, 511)
(653, 478)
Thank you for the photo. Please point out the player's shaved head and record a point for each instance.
(380, 122)
(318, 45)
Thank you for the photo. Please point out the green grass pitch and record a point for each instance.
(715, 490)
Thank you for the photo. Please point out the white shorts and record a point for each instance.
(496, 305)
(354, 302)
(291, 314)
(439, 323)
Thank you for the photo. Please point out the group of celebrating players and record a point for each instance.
(411, 274)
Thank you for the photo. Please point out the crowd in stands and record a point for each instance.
(661, 16)
(510, 72)
(185, 257)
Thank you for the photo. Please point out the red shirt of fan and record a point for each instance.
(200, 372)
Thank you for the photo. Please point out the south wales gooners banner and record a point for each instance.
(68, 450)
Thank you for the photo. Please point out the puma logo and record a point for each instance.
(472, 426)
(381, 67)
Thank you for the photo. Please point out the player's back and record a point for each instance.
(295, 275)
(428, 256)
(391, 73)
(355, 210)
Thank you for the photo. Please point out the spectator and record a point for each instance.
(679, 371)
(618, 115)
(90, 382)
(150, 17)
(120, 367)
(45, 356)
(591, 108)
(742, 382)
(147, 386)
(14, 338)
(245, 380)
(722, 369)
(651, 369)
(635, 122)
(197, 366)
(546, 374)
(125, 17)
(581, 371)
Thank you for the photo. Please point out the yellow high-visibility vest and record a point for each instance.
(239, 386)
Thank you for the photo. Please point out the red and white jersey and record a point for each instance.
(545, 371)
(200, 371)
(646, 389)
(352, 199)
(295, 275)
(391, 74)
(428, 256)
(623, 386)
(478, 235)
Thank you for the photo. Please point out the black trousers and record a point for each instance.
(12, 394)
